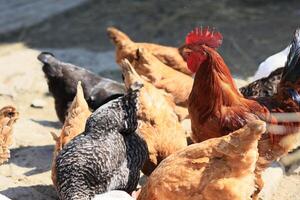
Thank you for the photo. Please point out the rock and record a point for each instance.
(6, 91)
(294, 169)
(38, 103)
(272, 177)
(291, 158)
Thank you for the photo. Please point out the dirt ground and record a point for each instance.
(252, 31)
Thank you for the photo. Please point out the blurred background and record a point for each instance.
(252, 29)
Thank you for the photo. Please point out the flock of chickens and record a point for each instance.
(179, 118)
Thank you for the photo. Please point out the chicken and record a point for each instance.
(162, 132)
(178, 85)
(126, 48)
(267, 77)
(108, 155)
(8, 116)
(73, 126)
(62, 80)
(219, 168)
(272, 63)
(216, 107)
(264, 87)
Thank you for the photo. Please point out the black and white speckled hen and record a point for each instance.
(108, 155)
(62, 82)
(264, 87)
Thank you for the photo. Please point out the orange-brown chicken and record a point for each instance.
(126, 48)
(73, 126)
(158, 123)
(220, 168)
(163, 77)
(216, 107)
(8, 116)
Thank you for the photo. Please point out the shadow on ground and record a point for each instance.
(47, 123)
(37, 157)
(35, 192)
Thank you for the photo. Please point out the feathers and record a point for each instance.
(126, 48)
(272, 63)
(295, 95)
(291, 70)
(73, 126)
(162, 132)
(219, 168)
(8, 116)
(108, 155)
(264, 87)
(204, 36)
(62, 82)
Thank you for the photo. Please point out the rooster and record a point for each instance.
(216, 107)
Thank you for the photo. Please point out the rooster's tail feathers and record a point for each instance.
(291, 70)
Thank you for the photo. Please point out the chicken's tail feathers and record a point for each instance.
(52, 66)
(130, 76)
(131, 106)
(46, 57)
(79, 98)
(291, 72)
(295, 95)
(117, 37)
(136, 84)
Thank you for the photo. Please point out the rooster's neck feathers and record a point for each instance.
(213, 87)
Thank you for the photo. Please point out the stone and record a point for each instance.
(38, 103)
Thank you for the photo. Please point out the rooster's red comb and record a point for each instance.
(204, 36)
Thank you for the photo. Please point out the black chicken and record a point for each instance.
(108, 155)
(62, 81)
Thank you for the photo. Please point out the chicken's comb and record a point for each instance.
(204, 36)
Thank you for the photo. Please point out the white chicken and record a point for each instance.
(272, 63)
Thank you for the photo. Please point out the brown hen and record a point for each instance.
(8, 116)
(158, 123)
(126, 48)
(73, 126)
(219, 168)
